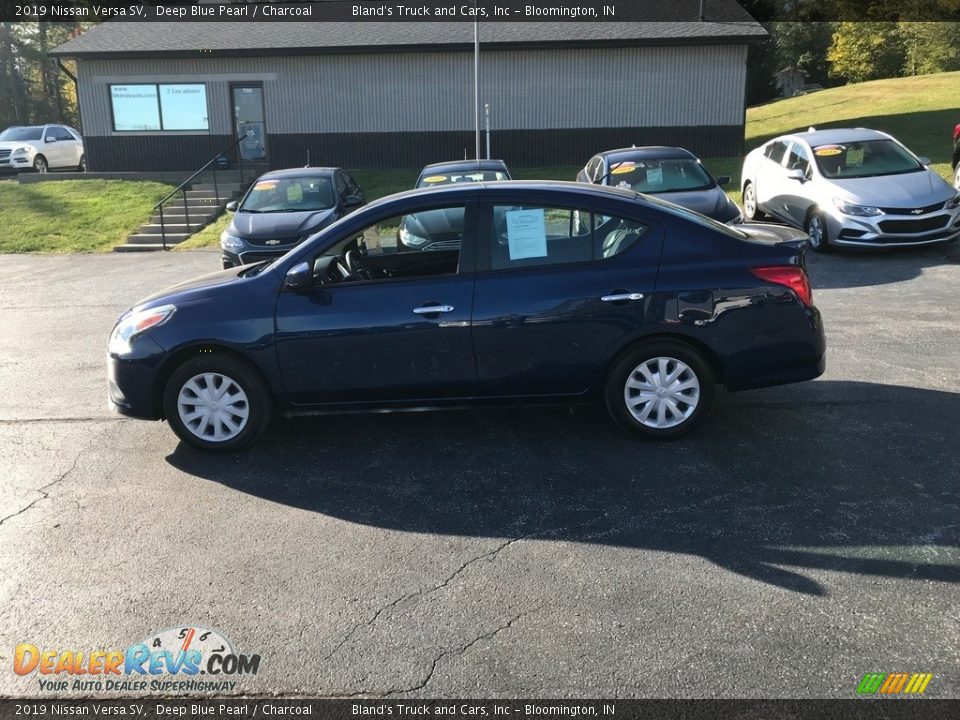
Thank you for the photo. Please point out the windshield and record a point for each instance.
(461, 176)
(659, 176)
(20, 134)
(696, 217)
(864, 159)
(289, 194)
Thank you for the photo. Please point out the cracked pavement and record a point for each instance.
(804, 536)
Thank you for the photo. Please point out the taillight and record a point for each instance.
(956, 133)
(789, 276)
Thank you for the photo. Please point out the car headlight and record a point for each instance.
(848, 208)
(230, 242)
(953, 203)
(134, 324)
(23, 150)
(408, 238)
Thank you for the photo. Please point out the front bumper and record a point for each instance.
(890, 231)
(132, 380)
(16, 163)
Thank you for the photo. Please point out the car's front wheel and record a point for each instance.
(216, 402)
(816, 228)
(40, 164)
(956, 177)
(660, 390)
(751, 211)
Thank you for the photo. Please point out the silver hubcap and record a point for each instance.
(815, 231)
(956, 178)
(749, 201)
(662, 392)
(41, 166)
(213, 407)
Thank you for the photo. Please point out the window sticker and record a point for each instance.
(294, 193)
(828, 151)
(435, 178)
(623, 168)
(526, 234)
(265, 185)
(855, 156)
(655, 175)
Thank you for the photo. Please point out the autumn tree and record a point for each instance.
(863, 51)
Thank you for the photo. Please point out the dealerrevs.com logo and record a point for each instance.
(181, 659)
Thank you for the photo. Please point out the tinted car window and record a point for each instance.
(533, 236)
(24, 134)
(657, 176)
(437, 179)
(289, 194)
(775, 151)
(799, 159)
(864, 159)
(63, 134)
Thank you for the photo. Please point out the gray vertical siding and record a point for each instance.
(664, 92)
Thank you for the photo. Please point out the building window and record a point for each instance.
(174, 106)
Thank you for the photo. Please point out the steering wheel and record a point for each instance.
(354, 266)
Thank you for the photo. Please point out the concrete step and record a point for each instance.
(141, 248)
(203, 194)
(169, 227)
(199, 215)
(156, 238)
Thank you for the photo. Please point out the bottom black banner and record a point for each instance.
(339, 709)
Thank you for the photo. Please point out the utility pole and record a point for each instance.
(476, 79)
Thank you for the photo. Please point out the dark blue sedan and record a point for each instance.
(555, 292)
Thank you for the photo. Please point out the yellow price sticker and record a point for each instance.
(829, 151)
(435, 178)
(623, 169)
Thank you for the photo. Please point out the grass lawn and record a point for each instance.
(73, 215)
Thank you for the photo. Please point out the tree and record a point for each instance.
(863, 51)
(804, 45)
(931, 47)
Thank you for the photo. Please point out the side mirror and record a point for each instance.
(353, 201)
(232, 206)
(796, 174)
(924, 160)
(723, 180)
(299, 277)
(49, 139)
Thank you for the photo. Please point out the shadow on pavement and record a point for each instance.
(841, 476)
(851, 268)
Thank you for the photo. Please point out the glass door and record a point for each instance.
(249, 121)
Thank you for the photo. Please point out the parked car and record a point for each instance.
(647, 306)
(442, 227)
(41, 148)
(283, 208)
(850, 187)
(956, 157)
(671, 173)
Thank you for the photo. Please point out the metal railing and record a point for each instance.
(182, 188)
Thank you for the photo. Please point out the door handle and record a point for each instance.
(433, 309)
(623, 297)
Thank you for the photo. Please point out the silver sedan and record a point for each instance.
(852, 187)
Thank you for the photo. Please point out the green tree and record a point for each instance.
(931, 47)
(804, 45)
(863, 51)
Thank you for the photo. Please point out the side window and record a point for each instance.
(341, 186)
(775, 152)
(421, 244)
(352, 187)
(591, 169)
(50, 133)
(798, 158)
(536, 236)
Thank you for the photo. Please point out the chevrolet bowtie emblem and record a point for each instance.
(918, 211)
(273, 242)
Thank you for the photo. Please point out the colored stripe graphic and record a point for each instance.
(870, 683)
(894, 683)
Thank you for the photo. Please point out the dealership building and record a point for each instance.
(170, 95)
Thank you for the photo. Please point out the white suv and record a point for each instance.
(41, 148)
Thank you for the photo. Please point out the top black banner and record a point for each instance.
(711, 11)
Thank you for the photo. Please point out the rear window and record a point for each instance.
(437, 179)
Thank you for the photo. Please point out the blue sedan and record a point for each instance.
(554, 292)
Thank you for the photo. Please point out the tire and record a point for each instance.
(82, 167)
(751, 211)
(956, 176)
(244, 391)
(40, 165)
(654, 418)
(816, 228)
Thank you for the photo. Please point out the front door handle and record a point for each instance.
(623, 297)
(433, 309)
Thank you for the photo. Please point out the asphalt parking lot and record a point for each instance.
(804, 536)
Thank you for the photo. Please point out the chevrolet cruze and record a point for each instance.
(640, 304)
(858, 188)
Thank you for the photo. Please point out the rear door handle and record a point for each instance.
(434, 309)
(623, 297)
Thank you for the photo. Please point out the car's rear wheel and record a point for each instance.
(751, 211)
(660, 390)
(216, 402)
(82, 167)
(816, 228)
(40, 164)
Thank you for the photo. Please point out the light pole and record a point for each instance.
(476, 78)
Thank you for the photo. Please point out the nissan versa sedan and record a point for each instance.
(670, 173)
(283, 208)
(858, 188)
(645, 306)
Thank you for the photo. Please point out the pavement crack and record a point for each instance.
(44, 494)
(460, 651)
